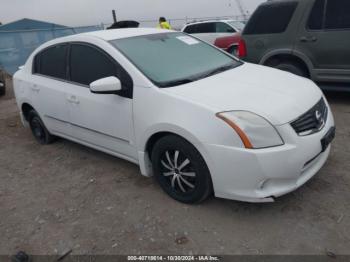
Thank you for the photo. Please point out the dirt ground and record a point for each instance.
(66, 196)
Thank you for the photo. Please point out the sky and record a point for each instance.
(92, 12)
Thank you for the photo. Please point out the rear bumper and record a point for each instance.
(259, 175)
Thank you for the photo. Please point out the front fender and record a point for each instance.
(145, 159)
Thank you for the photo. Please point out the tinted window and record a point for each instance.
(88, 64)
(206, 28)
(271, 18)
(191, 29)
(52, 62)
(316, 16)
(338, 14)
(224, 28)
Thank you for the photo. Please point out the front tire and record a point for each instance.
(180, 170)
(39, 130)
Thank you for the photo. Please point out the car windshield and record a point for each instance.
(171, 59)
(237, 24)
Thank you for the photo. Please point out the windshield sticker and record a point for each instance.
(188, 40)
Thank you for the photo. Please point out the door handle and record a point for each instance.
(308, 39)
(35, 88)
(73, 100)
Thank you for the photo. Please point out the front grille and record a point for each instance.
(312, 121)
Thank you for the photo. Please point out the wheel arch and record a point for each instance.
(288, 55)
(26, 108)
(153, 135)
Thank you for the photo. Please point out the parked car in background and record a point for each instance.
(210, 31)
(2, 83)
(310, 38)
(240, 130)
(229, 43)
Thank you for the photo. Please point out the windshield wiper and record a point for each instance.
(183, 81)
(219, 70)
(176, 82)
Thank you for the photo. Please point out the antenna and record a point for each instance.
(241, 8)
(114, 16)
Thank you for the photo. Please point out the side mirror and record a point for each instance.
(107, 85)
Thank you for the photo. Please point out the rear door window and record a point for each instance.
(224, 28)
(206, 28)
(271, 18)
(315, 21)
(52, 62)
(338, 14)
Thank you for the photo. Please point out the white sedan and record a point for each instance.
(196, 118)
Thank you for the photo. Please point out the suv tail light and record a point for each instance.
(242, 49)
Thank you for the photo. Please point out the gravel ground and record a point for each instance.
(66, 196)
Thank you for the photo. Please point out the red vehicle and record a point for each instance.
(229, 43)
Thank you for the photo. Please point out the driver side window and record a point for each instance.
(88, 64)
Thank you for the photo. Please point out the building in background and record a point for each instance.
(29, 24)
(20, 38)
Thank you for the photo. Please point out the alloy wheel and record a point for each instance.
(178, 171)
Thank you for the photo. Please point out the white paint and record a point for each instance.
(122, 126)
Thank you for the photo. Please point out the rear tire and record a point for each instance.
(233, 50)
(180, 170)
(291, 67)
(39, 130)
(3, 90)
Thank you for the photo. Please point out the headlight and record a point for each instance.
(254, 131)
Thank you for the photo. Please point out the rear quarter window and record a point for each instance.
(271, 18)
(52, 62)
(191, 29)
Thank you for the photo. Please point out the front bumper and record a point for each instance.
(259, 175)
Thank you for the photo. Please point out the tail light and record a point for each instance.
(242, 49)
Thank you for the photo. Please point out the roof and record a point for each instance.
(29, 24)
(212, 21)
(113, 34)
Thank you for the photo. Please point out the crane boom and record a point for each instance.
(241, 8)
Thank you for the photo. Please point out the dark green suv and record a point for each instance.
(310, 38)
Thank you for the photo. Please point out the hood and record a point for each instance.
(278, 96)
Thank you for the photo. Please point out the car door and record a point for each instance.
(101, 120)
(48, 85)
(325, 39)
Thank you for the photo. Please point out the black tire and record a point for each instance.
(188, 183)
(291, 67)
(233, 50)
(2, 90)
(39, 130)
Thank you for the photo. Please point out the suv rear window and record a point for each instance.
(201, 28)
(271, 18)
(191, 29)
